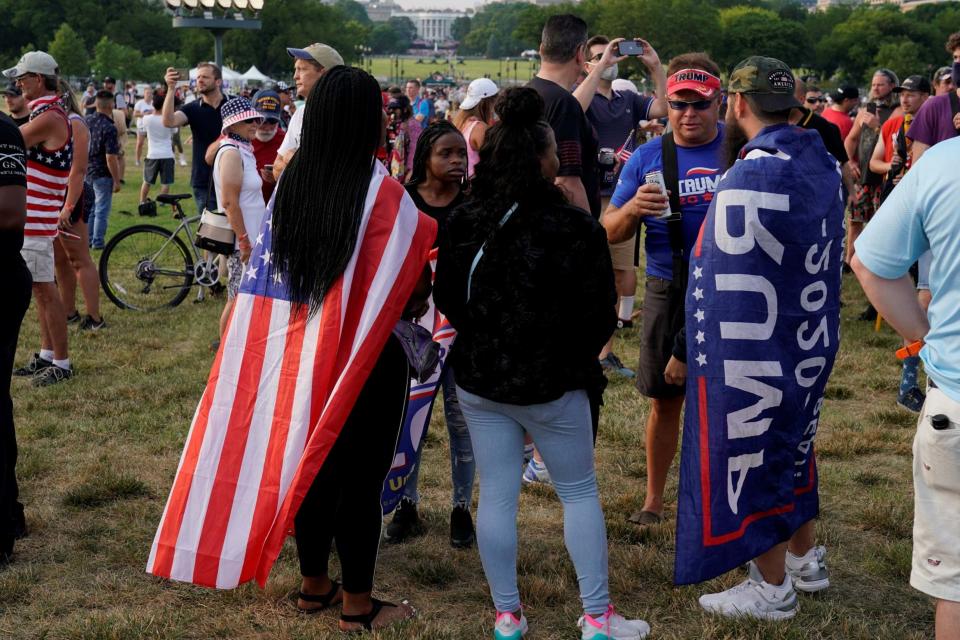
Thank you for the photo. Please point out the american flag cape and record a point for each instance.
(763, 329)
(280, 389)
(419, 407)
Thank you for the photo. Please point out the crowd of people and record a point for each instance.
(527, 211)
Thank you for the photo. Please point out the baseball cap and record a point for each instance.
(323, 54)
(845, 93)
(478, 90)
(698, 80)
(400, 102)
(109, 79)
(34, 62)
(238, 110)
(104, 94)
(622, 84)
(12, 90)
(914, 83)
(942, 73)
(267, 102)
(768, 81)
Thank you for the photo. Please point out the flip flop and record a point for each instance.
(645, 518)
(366, 619)
(326, 599)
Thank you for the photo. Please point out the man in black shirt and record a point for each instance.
(15, 292)
(829, 133)
(562, 51)
(205, 122)
(16, 104)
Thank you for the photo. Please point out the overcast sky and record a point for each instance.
(438, 4)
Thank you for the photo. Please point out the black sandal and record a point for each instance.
(326, 600)
(367, 619)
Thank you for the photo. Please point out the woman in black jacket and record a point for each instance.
(527, 282)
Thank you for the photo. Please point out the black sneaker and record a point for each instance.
(405, 523)
(89, 324)
(36, 364)
(73, 318)
(869, 314)
(461, 528)
(51, 375)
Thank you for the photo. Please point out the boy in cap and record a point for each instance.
(763, 319)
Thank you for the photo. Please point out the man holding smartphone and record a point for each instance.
(616, 117)
(689, 159)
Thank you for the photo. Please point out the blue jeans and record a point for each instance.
(563, 435)
(103, 200)
(200, 197)
(462, 466)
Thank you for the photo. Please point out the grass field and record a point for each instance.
(384, 68)
(98, 456)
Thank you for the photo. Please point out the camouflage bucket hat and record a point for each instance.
(767, 80)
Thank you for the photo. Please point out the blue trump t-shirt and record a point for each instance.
(921, 214)
(698, 173)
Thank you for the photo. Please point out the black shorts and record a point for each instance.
(162, 167)
(662, 318)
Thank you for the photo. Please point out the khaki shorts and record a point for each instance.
(38, 254)
(936, 487)
(622, 254)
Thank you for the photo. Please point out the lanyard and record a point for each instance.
(476, 258)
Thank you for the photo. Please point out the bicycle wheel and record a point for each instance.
(145, 268)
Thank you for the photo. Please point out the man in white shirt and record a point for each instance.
(310, 63)
(142, 108)
(160, 159)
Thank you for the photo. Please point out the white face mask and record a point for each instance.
(610, 73)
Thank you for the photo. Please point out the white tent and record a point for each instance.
(229, 75)
(255, 75)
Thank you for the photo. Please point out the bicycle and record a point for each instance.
(147, 267)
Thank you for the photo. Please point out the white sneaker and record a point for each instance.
(809, 572)
(508, 627)
(536, 472)
(755, 598)
(612, 626)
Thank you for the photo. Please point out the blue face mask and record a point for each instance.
(956, 74)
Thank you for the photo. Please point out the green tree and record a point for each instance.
(113, 59)
(68, 49)
(155, 65)
(460, 28)
(384, 39)
(904, 58)
(406, 32)
(353, 10)
(755, 30)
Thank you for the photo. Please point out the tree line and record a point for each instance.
(135, 39)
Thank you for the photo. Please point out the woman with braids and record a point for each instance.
(474, 117)
(436, 187)
(71, 249)
(526, 280)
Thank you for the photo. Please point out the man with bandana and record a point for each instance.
(859, 145)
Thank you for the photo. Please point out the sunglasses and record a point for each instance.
(698, 105)
(815, 100)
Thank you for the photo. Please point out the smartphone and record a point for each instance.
(630, 48)
(184, 74)
(268, 167)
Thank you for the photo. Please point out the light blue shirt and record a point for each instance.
(923, 212)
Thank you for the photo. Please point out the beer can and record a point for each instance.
(656, 177)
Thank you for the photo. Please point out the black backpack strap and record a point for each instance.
(954, 104)
(675, 222)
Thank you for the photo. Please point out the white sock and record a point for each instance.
(46, 354)
(626, 307)
(63, 364)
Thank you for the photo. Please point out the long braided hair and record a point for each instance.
(320, 198)
(428, 138)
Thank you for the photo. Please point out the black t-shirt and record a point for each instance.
(576, 139)
(829, 133)
(13, 173)
(20, 121)
(205, 124)
(437, 213)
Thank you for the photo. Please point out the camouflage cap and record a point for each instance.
(768, 81)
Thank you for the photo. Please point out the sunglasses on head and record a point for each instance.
(698, 105)
(816, 100)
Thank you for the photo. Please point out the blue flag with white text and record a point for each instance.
(763, 329)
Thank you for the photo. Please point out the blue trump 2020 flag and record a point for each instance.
(763, 329)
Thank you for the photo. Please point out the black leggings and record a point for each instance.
(15, 292)
(344, 501)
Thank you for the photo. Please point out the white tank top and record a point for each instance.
(251, 195)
